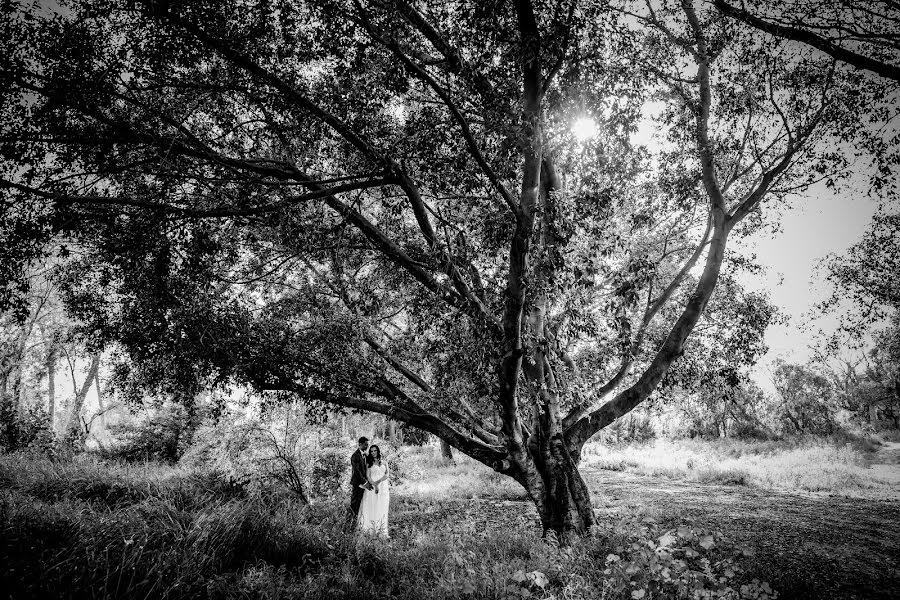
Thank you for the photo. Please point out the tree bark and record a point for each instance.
(446, 451)
(558, 490)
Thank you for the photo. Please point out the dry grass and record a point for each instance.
(464, 479)
(835, 465)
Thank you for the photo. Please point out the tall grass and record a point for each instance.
(837, 465)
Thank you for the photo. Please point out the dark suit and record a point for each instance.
(357, 478)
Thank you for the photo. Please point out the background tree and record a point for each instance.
(865, 291)
(382, 206)
(710, 386)
(806, 399)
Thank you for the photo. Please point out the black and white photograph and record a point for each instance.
(450, 299)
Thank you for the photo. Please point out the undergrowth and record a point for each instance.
(88, 529)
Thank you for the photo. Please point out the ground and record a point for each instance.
(807, 544)
(88, 527)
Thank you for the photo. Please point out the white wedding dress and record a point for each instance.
(373, 512)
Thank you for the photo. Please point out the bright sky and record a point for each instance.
(815, 225)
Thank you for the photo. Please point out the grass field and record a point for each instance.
(840, 465)
(89, 529)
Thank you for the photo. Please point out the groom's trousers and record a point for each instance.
(356, 495)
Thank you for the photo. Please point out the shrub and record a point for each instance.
(163, 435)
(329, 472)
(413, 436)
(889, 435)
(31, 430)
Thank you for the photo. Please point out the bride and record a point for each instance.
(373, 512)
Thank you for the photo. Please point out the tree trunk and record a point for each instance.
(101, 405)
(559, 492)
(446, 451)
(73, 424)
(392, 432)
(51, 384)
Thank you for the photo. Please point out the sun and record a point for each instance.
(584, 128)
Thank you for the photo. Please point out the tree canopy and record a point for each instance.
(382, 206)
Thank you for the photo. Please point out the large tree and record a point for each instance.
(381, 205)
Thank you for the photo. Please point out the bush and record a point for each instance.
(413, 436)
(329, 472)
(31, 430)
(163, 436)
(629, 429)
(889, 435)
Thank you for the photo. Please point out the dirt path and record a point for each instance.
(807, 546)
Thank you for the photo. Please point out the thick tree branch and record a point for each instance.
(855, 59)
(511, 361)
(625, 367)
(197, 213)
(673, 346)
(482, 452)
(705, 149)
(469, 420)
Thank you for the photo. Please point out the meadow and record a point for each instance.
(91, 528)
(841, 464)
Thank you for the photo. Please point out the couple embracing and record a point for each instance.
(370, 494)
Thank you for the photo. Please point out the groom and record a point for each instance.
(358, 478)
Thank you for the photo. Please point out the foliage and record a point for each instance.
(680, 563)
(806, 399)
(161, 434)
(30, 430)
(281, 446)
(866, 298)
(329, 473)
(413, 436)
(865, 290)
(631, 428)
(871, 395)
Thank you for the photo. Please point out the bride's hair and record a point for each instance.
(369, 458)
